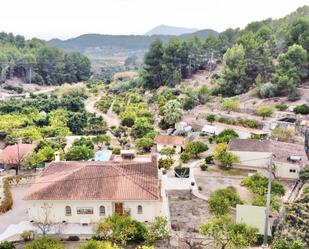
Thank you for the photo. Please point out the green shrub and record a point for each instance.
(294, 95)
(222, 199)
(281, 106)
(73, 238)
(165, 163)
(7, 245)
(301, 109)
(104, 104)
(116, 151)
(226, 136)
(211, 118)
(163, 124)
(268, 90)
(250, 123)
(204, 167)
(26, 235)
(195, 148)
(184, 157)
(121, 229)
(45, 242)
(209, 159)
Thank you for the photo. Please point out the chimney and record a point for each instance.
(57, 156)
(154, 160)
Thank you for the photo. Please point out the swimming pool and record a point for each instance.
(102, 155)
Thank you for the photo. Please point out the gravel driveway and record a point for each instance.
(18, 212)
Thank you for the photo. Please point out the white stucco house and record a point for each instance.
(288, 158)
(85, 192)
(168, 141)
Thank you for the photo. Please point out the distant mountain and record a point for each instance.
(123, 42)
(169, 30)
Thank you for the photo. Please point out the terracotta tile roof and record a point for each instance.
(13, 154)
(167, 139)
(249, 145)
(97, 181)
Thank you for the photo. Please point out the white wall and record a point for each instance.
(253, 159)
(164, 146)
(283, 170)
(151, 209)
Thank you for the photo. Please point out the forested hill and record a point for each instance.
(271, 55)
(34, 61)
(130, 42)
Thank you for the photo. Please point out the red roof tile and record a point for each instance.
(97, 181)
(13, 154)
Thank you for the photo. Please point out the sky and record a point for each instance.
(47, 19)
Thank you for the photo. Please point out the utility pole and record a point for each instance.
(265, 240)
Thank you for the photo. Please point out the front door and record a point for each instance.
(119, 208)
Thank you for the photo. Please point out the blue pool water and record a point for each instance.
(102, 155)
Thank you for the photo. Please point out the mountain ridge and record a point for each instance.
(170, 30)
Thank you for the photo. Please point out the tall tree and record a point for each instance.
(152, 71)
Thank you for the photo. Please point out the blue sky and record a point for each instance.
(63, 19)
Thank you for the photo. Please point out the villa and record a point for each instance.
(85, 192)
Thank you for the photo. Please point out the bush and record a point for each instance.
(195, 148)
(283, 134)
(204, 167)
(222, 199)
(294, 95)
(250, 123)
(265, 111)
(165, 163)
(209, 159)
(121, 229)
(268, 90)
(7, 245)
(211, 118)
(73, 238)
(301, 109)
(128, 121)
(281, 106)
(45, 242)
(226, 136)
(184, 157)
(163, 124)
(26, 235)
(116, 151)
(225, 158)
(95, 244)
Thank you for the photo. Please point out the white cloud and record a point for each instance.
(68, 18)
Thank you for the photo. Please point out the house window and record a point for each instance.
(102, 211)
(68, 211)
(139, 209)
(292, 170)
(84, 210)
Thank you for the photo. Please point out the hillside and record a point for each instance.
(169, 30)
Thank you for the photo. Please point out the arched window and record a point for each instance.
(102, 211)
(68, 211)
(139, 209)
